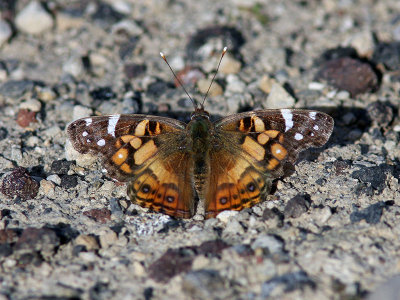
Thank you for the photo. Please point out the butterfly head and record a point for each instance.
(199, 113)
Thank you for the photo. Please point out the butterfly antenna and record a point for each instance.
(176, 77)
(216, 72)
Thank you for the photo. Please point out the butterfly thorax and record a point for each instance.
(201, 131)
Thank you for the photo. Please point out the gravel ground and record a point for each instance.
(331, 228)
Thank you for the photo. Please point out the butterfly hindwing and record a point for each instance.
(134, 148)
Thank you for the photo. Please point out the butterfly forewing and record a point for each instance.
(282, 133)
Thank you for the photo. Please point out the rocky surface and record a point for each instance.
(330, 230)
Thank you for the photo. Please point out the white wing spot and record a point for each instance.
(313, 114)
(101, 142)
(88, 121)
(112, 123)
(84, 133)
(88, 141)
(288, 117)
(312, 134)
(277, 151)
(120, 155)
(298, 136)
(316, 127)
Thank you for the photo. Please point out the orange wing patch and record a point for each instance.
(234, 184)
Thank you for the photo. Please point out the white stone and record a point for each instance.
(32, 141)
(83, 160)
(123, 7)
(81, 112)
(362, 42)
(225, 215)
(54, 178)
(279, 98)
(5, 32)
(31, 104)
(268, 241)
(33, 19)
(107, 239)
(73, 66)
(128, 26)
(229, 65)
(177, 62)
(316, 86)
(203, 85)
(234, 84)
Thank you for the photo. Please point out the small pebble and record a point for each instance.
(15, 88)
(5, 32)
(316, 86)
(204, 84)
(81, 112)
(32, 141)
(233, 227)
(234, 84)
(46, 94)
(225, 215)
(123, 7)
(297, 206)
(205, 284)
(230, 65)
(74, 66)
(101, 215)
(279, 98)
(127, 27)
(380, 113)
(60, 166)
(88, 241)
(31, 104)
(47, 188)
(270, 242)
(363, 43)
(107, 239)
(388, 54)
(83, 160)
(19, 183)
(33, 19)
(26, 117)
(69, 181)
(349, 74)
(177, 62)
(189, 76)
(54, 178)
(132, 70)
(265, 84)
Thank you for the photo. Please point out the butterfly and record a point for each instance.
(229, 165)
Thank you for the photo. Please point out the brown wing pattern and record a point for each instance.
(256, 146)
(143, 150)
